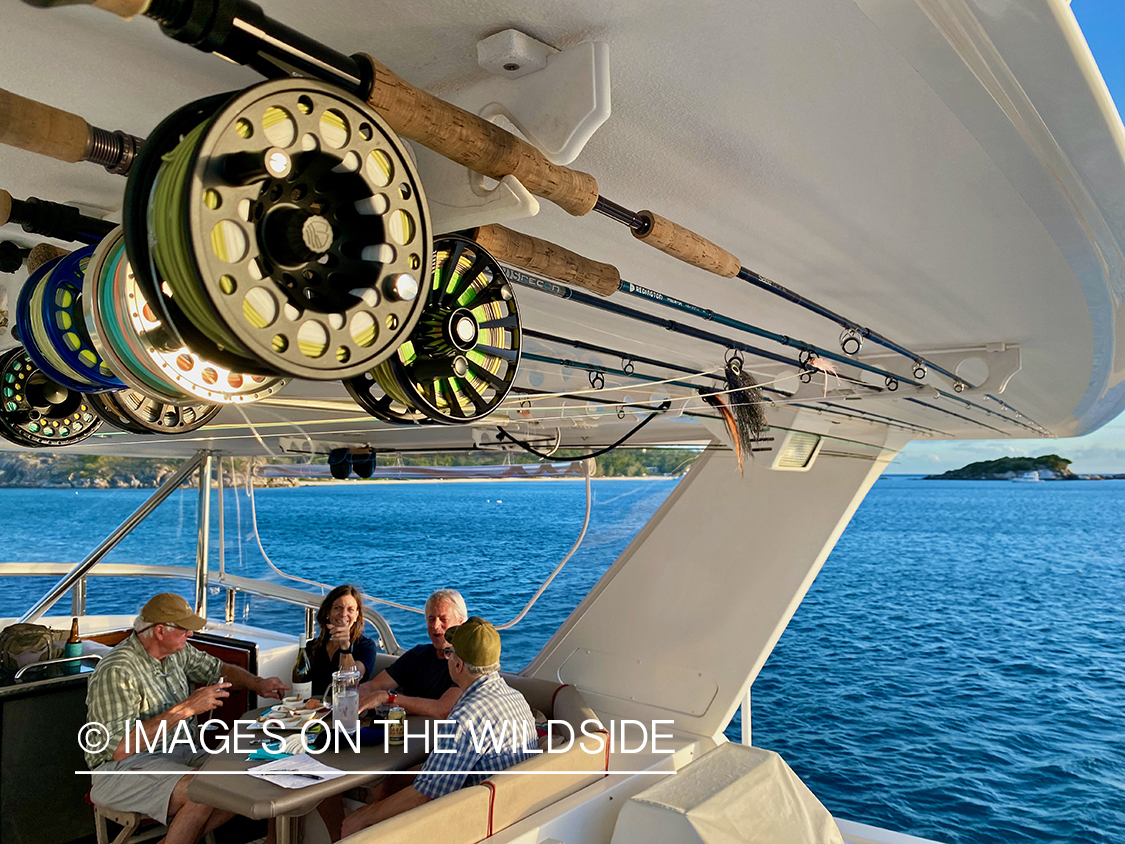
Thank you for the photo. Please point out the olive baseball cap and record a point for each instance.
(169, 608)
(475, 641)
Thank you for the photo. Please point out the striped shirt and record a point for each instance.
(131, 685)
(494, 730)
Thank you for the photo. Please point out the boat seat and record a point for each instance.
(473, 814)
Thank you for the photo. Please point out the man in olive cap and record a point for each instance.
(148, 678)
(494, 728)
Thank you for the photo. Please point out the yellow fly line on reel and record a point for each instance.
(290, 226)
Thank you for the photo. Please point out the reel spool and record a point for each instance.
(51, 325)
(38, 412)
(461, 359)
(370, 396)
(150, 358)
(133, 411)
(290, 226)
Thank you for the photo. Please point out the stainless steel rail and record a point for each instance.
(232, 583)
(111, 541)
(33, 665)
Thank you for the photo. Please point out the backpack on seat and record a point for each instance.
(21, 644)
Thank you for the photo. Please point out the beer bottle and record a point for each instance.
(73, 647)
(302, 672)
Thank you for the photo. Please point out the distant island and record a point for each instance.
(1049, 467)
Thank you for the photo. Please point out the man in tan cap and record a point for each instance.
(148, 678)
(494, 728)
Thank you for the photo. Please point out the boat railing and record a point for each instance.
(72, 576)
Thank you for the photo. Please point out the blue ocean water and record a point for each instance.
(957, 670)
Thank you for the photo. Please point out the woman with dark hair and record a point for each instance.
(341, 641)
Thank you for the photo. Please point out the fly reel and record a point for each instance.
(52, 329)
(133, 411)
(129, 333)
(460, 360)
(290, 226)
(38, 412)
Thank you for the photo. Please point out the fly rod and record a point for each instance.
(240, 31)
(52, 219)
(628, 361)
(574, 264)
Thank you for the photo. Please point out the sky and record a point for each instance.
(1103, 24)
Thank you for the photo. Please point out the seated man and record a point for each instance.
(147, 678)
(477, 751)
(420, 675)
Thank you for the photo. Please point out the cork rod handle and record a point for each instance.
(673, 239)
(472, 141)
(42, 253)
(27, 124)
(548, 259)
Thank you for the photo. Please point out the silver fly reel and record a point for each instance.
(132, 337)
(292, 229)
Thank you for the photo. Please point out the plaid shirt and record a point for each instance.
(130, 685)
(489, 701)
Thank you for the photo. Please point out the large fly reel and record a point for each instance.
(136, 342)
(290, 227)
(459, 362)
(38, 412)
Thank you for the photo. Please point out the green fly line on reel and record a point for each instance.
(128, 331)
(38, 412)
(292, 231)
(459, 363)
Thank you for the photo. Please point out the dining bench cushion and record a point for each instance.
(457, 818)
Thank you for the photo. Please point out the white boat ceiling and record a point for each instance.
(949, 174)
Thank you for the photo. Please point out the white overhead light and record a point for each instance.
(797, 452)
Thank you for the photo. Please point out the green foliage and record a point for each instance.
(621, 462)
(995, 469)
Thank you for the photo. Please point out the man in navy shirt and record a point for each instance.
(419, 680)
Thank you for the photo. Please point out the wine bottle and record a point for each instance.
(302, 672)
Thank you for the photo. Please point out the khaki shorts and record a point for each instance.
(147, 794)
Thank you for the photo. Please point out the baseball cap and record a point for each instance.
(169, 608)
(475, 641)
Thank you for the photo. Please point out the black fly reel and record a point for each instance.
(281, 230)
(38, 412)
(133, 411)
(459, 363)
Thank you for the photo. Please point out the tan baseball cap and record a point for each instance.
(169, 608)
(475, 641)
